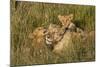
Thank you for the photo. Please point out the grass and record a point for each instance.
(26, 16)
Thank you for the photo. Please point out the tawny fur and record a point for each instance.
(65, 19)
(38, 36)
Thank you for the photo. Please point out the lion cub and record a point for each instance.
(53, 35)
(66, 21)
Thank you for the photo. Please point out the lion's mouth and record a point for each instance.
(49, 41)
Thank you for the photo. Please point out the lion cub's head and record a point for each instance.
(65, 19)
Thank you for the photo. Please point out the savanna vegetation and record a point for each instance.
(27, 16)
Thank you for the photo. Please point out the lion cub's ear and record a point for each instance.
(65, 20)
